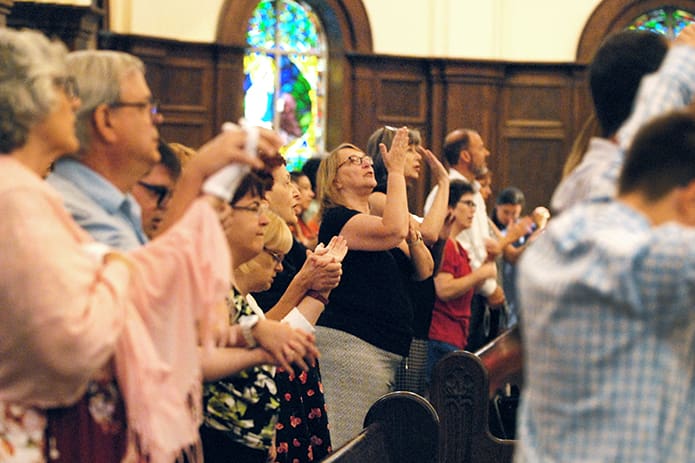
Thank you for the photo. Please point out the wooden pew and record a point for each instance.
(401, 427)
(462, 385)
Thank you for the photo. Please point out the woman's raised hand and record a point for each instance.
(438, 170)
(230, 147)
(394, 159)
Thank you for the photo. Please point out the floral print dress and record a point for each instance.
(22, 434)
(302, 430)
(246, 405)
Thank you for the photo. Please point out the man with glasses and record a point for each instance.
(154, 190)
(117, 127)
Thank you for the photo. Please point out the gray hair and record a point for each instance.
(29, 65)
(99, 74)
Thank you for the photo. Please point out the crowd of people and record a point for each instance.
(144, 319)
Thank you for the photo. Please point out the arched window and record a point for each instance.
(285, 76)
(667, 21)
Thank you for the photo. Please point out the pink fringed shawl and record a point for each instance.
(179, 277)
(63, 315)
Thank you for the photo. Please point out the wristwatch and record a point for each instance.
(247, 323)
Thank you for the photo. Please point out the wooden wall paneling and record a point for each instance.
(77, 26)
(535, 132)
(392, 91)
(363, 102)
(472, 98)
(229, 84)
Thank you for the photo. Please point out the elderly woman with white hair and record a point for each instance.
(69, 305)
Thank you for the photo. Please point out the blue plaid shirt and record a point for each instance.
(609, 338)
(608, 321)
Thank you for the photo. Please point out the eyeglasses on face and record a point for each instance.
(151, 104)
(468, 202)
(255, 207)
(357, 160)
(277, 257)
(68, 84)
(160, 191)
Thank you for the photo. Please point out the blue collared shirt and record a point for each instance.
(106, 213)
(609, 340)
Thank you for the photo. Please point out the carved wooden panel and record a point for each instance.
(402, 99)
(459, 393)
(535, 131)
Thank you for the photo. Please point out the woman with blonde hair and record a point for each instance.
(242, 406)
(366, 328)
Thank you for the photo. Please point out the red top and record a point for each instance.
(450, 319)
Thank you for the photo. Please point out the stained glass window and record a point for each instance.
(285, 76)
(667, 21)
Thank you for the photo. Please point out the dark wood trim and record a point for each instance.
(77, 26)
(615, 15)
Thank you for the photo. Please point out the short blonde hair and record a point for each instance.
(328, 195)
(277, 237)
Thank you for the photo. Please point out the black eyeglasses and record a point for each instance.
(256, 208)
(151, 104)
(68, 84)
(160, 191)
(357, 160)
(277, 257)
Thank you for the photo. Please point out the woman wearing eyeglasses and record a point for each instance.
(365, 330)
(241, 405)
(455, 281)
(75, 312)
(412, 372)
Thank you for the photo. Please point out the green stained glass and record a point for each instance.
(299, 29)
(285, 80)
(261, 32)
(667, 21)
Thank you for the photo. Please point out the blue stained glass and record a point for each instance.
(284, 76)
(299, 29)
(261, 31)
(667, 21)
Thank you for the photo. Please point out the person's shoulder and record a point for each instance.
(338, 212)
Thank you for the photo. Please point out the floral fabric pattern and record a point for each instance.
(22, 432)
(302, 429)
(245, 405)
